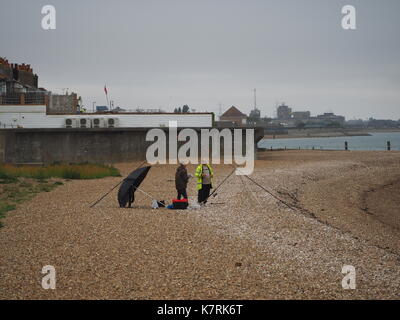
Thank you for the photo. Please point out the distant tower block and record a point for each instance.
(284, 112)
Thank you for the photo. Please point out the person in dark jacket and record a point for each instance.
(181, 181)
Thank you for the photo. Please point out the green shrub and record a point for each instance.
(71, 174)
(40, 174)
(71, 171)
(6, 177)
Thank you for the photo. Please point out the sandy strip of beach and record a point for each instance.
(327, 133)
(243, 245)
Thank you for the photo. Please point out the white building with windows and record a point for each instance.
(34, 116)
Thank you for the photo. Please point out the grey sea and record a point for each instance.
(376, 141)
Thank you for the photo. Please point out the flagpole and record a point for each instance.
(106, 92)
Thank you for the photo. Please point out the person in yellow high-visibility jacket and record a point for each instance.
(204, 174)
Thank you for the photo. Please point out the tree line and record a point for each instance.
(184, 109)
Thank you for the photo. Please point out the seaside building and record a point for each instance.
(234, 117)
(382, 124)
(101, 108)
(330, 117)
(16, 77)
(62, 103)
(303, 119)
(255, 114)
(19, 86)
(35, 116)
(301, 115)
(24, 105)
(255, 118)
(284, 112)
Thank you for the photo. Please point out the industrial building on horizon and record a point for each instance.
(286, 118)
(289, 118)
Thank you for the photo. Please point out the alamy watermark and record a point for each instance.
(49, 20)
(349, 21)
(349, 280)
(189, 152)
(49, 280)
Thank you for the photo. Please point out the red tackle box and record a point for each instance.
(180, 204)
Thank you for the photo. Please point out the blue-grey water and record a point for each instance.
(377, 141)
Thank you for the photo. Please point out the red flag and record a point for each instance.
(105, 89)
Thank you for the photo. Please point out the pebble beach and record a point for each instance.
(244, 244)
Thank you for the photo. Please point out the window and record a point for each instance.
(3, 88)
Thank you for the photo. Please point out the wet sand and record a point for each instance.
(243, 245)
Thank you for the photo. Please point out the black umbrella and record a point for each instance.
(126, 192)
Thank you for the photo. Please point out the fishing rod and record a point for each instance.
(251, 191)
(114, 187)
(269, 192)
(147, 194)
(214, 193)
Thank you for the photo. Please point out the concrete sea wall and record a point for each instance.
(102, 145)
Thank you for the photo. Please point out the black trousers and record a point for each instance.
(204, 193)
(182, 193)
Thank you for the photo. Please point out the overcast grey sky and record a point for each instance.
(203, 53)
